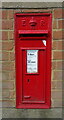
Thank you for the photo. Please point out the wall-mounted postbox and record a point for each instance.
(33, 60)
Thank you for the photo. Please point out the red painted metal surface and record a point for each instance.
(33, 32)
(33, 90)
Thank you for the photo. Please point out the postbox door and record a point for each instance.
(33, 38)
(34, 64)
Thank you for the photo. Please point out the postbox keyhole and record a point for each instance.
(28, 80)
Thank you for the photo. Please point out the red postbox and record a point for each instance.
(33, 59)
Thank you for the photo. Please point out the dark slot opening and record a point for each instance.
(32, 35)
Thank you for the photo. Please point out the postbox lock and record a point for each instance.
(32, 22)
(28, 80)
